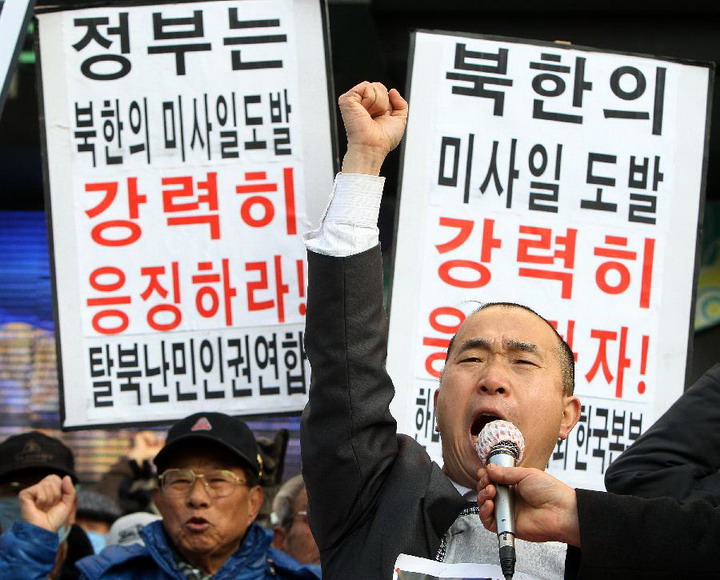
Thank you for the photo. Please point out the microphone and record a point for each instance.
(501, 443)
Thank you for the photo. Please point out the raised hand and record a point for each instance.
(375, 121)
(545, 507)
(49, 503)
(146, 445)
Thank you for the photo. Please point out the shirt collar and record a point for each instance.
(466, 492)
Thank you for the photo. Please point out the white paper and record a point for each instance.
(413, 568)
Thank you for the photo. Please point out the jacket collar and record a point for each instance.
(249, 561)
(443, 505)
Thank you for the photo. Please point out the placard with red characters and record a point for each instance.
(179, 185)
(562, 178)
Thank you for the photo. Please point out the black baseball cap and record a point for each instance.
(35, 451)
(230, 433)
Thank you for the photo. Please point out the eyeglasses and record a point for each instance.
(300, 516)
(219, 483)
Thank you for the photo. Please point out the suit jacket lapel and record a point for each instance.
(443, 504)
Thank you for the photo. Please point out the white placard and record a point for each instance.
(14, 18)
(189, 146)
(566, 179)
(413, 568)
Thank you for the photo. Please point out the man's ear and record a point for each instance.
(279, 535)
(436, 396)
(158, 499)
(571, 415)
(255, 500)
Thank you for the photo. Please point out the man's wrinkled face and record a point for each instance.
(299, 541)
(504, 364)
(207, 529)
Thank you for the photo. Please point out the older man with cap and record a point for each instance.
(208, 496)
(25, 460)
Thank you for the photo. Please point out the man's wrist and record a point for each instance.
(570, 523)
(364, 160)
(39, 521)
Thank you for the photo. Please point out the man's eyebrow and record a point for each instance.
(474, 343)
(508, 344)
(522, 346)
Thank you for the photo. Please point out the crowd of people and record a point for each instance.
(195, 518)
(188, 505)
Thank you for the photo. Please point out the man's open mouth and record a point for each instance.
(478, 424)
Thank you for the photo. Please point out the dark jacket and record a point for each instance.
(373, 494)
(632, 538)
(27, 553)
(679, 456)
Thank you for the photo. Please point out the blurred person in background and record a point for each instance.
(290, 518)
(126, 529)
(25, 460)
(131, 479)
(95, 514)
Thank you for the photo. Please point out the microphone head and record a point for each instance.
(500, 436)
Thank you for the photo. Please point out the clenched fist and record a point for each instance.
(375, 121)
(49, 503)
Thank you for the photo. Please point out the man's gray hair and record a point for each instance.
(282, 508)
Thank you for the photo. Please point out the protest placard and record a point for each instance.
(567, 179)
(188, 147)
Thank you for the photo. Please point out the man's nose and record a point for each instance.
(494, 379)
(199, 493)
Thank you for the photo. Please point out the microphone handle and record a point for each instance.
(505, 518)
(504, 514)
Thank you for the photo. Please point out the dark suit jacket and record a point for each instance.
(626, 537)
(373, 494)
(679, 456)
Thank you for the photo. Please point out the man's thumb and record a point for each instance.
(68, 489)
(504, 475)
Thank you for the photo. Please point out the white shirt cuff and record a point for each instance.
(349, 224)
